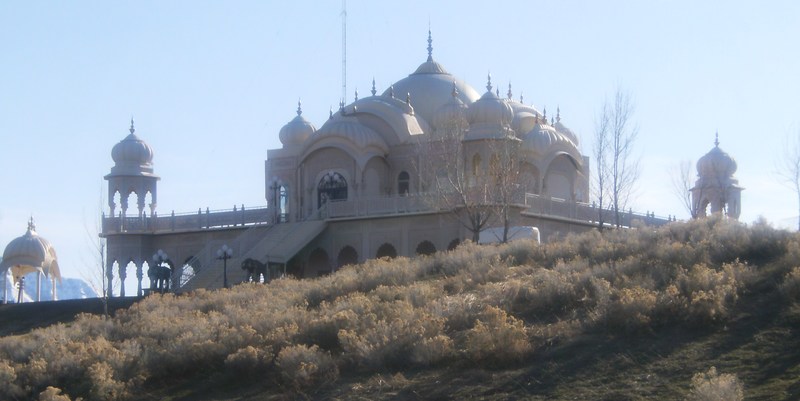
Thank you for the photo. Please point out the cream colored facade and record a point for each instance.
(357, 187)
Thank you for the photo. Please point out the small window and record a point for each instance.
(403, 183)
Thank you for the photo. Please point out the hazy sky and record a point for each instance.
(211, 83)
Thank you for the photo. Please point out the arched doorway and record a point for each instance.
(403, 183)
(347, 256)
(318, 263)
(386, 250)
(331, 187)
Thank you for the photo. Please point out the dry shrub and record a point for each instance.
(432, 350)
(790, 287)
(497, 338)
(631, 309)
(54, 394)
(248, 361)
(709, 293)
(103, 384)
(712, 386)
(302, 366)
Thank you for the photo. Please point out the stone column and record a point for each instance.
(122, 275)
(139, 276)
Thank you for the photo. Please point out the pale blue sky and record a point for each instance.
(211, 83)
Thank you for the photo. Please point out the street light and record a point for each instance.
(160, 273)
(224, 254)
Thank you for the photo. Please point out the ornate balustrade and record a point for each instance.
(208, 219)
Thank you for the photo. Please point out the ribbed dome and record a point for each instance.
(560, 127)
(542, 138)
(297, 131)
(453, 113)
(30, 253)
(490, 110)
(352, 130)
(132, 156)
(716, 163)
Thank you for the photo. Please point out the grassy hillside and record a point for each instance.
(693, 310)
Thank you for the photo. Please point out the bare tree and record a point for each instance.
(505, 175)
(600, 153)
(451, 182)
(617, 166)
(681, 177)
(789, 167)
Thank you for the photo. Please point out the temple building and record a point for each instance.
(420, 167)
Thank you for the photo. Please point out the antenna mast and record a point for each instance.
(344, 50)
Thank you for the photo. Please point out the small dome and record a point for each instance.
(542, 138)
(716, 163)
(132, 155)
(29, 253)
(453, 112)
(490, 110)
(352, 130)
(563, 129)
(297, 131)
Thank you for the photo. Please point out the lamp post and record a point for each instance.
(161, 274)
(224, 254)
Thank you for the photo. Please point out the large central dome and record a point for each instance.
(430, 87)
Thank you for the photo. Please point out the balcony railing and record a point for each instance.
(208, 219)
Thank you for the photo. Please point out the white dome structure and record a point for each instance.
(132, 173)
(430, 87)
(489, 116)
(297, 131)
(716, 190)
(30, 253)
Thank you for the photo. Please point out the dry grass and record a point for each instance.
(490, 306)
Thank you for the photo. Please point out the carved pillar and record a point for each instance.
(139, 276)
(109, 278)
(122, 275)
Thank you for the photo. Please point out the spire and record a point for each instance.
(430, 44)
(373, 87)
(356, 95)
(408, 98)
(299, 107)
(132, 130)
(455, 90)
(31, 225)
(544, 114)
(716, 139)
(521, 99)
(489, 82)
(391, 91)
(330, 113)
(509, 91)
(558, 114)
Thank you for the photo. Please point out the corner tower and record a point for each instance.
(132, 173)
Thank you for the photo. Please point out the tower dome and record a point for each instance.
(563, 129)
(132, 156)
(429, 88)
(716, 163)
(296, 132)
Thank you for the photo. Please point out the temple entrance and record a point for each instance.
(331, 187)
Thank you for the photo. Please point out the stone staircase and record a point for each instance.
(275, 244)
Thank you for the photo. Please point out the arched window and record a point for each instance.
(403, 183)
(331, 187)
(476, 164)
(347, 256)
(426, 248)
(283, 204)
(386, 250)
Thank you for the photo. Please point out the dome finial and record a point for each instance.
(299, 107)
(509, 91)
(544, 114)
(373, 87)
(521, 98)
(455, 90)
(558, 114)
(408, 98)
(330, 113)
(716, 139)
(430, 44)
(132, 130)
(391, 91)
(489, 82)
(31, 225)
(356, 94)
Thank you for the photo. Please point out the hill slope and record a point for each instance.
(634, 314)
